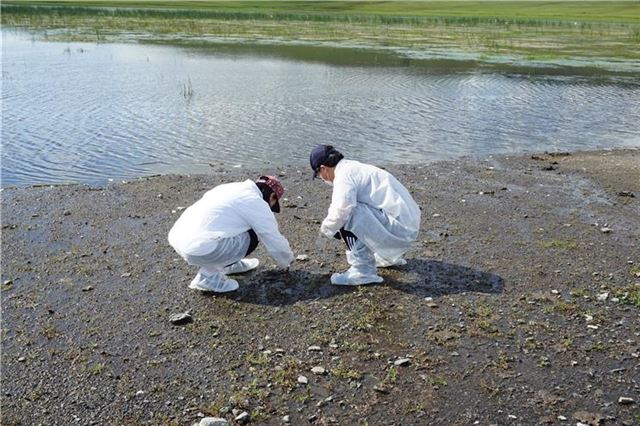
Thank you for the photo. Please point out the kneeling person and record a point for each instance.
(370, 210)
(224, 226)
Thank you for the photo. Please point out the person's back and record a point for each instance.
(216, 215)
(380, 189)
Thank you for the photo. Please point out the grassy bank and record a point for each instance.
(532, 30)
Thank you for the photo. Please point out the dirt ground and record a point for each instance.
(519, 304)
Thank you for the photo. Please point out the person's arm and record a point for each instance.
(264, 224)
(343, 201)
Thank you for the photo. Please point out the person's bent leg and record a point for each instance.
(383, 235)
(246, 264)
(361, 260)
(215, 265)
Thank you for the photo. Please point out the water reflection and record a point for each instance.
(87, 112)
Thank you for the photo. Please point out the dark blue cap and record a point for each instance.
(319, 156)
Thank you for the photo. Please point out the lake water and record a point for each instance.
(86, 112)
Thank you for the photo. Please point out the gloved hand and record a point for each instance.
(321, 242)
(326, 232)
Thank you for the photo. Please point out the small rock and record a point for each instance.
(605, 230)
(140, 392)
(302, 257)
(160, 196)
(67, 213)
(402, 362)
(312, 418)
(22, 359)
(428, 299)
(318, 370)
(286, 419)
(213, 421)
(303, 380)
(555, 292)
(436, 215)
(625, 400)
(432, 305)
(592, 327)
(562, 418)
(242, 417)
(179, 319)
(125, 275)
(381, 389)
(314, 348)
(87, 288)
(602, 296)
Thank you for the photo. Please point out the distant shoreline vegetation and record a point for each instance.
(598, 31)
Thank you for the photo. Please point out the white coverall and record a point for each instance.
(373, 205)
(212, 233)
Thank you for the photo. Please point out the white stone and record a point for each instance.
(286, 419)
(302, 257)
(303, 380)
(213, 421)
(314, 348)
(318, 370)
(605, 230)
(244, 416)
(402, 361)
(562, 418)
(625, 400)
(602, 296)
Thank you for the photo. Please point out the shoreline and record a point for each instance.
(525, 276)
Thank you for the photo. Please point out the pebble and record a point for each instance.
(562, 418)
(314, 348)
(302, 257)
(428, 299)
(286, 419)
(602, 296)
(605, 230)
(242, 417)
(402, 362)
(318, 370)
(593, 327)
(183, 318)
(625, 400)
(125, 275)
(22, 359)
(432, 305)
(213, 421)
(303, 380)
(87, 288)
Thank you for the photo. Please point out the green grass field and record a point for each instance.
(600, 31)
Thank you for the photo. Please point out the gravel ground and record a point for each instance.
(519, 305)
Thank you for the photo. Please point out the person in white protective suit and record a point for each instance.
(224, 226)
(370, 210)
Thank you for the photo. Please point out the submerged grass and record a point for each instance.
(532, 30)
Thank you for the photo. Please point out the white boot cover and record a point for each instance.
(362, 270)
(241, 266)
(216, 282)
(384, 263)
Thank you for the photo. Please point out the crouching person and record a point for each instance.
(370, 210)
(224, 226)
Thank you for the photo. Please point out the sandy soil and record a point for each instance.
(519, 305)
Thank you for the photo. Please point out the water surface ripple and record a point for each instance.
(82, 112)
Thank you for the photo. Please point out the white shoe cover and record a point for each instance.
(381, 262)
(354, 277)
(241, 266)
(216, 282)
